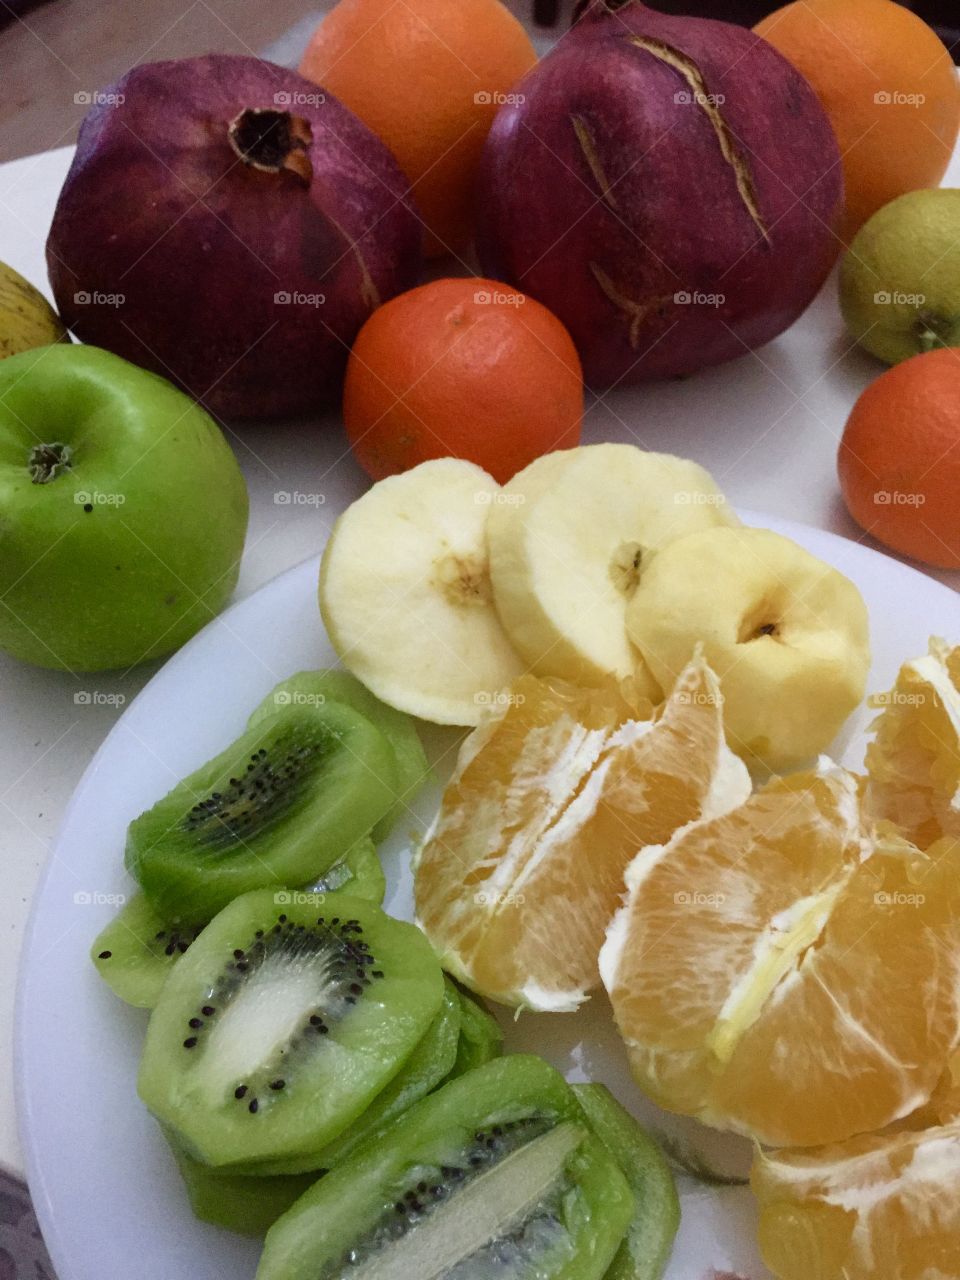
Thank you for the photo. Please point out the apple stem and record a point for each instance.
(47, 461)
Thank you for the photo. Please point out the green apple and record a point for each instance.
(122, 511)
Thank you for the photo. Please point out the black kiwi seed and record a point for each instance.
(105, 955)
(254, 1107)
(196, 1023)
(277, 1085)
(208, 1011)
(240, 1091)
(190, 1042)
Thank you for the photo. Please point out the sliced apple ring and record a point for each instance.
(405, 594)
(568, 540)
(786, 633)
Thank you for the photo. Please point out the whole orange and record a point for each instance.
(461, 368)
(888, 85)
(428, 76)
(899, 459)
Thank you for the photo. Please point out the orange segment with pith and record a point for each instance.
(913, 761)
(524, 869)
(781, 972)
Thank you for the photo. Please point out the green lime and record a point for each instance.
(900, 279)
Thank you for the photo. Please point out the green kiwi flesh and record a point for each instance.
(277, 808)
(481, 1039)
(136, 951)
(493, 1177)
(359, 873)
(646, 1250)
(283, 1022)
(318, 687)
(427, 1067)
(248, 1206)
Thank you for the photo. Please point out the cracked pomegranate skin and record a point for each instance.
(181, 246)
(667, 186)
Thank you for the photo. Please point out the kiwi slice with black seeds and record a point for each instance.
(314, 688)
(282, 1023)
(481, 1039)
(277, 808)
(138, 949)
(135, 953)
(496, 1176)
(427, 1067)
(645, 1251)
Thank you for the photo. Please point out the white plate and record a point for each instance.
(105, 1188)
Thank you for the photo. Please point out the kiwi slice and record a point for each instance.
(496, 1176)
(481, 1039)
(428, 1066)
(646, 1250)
(277, 808)
(249, 1206)
(283, 1022)
(317, 687)
(136, 951)
(358, 873)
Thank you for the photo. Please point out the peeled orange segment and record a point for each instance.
(549, 805)
(877, 1207)
(913, 762)
(779, 973)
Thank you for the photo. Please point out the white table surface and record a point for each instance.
(767, 426)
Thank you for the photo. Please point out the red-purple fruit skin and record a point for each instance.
(603, 172)
(158, 209)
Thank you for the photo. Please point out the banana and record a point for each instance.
(787, 634)
(405, 593)
(569, 538)
(26, 317)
